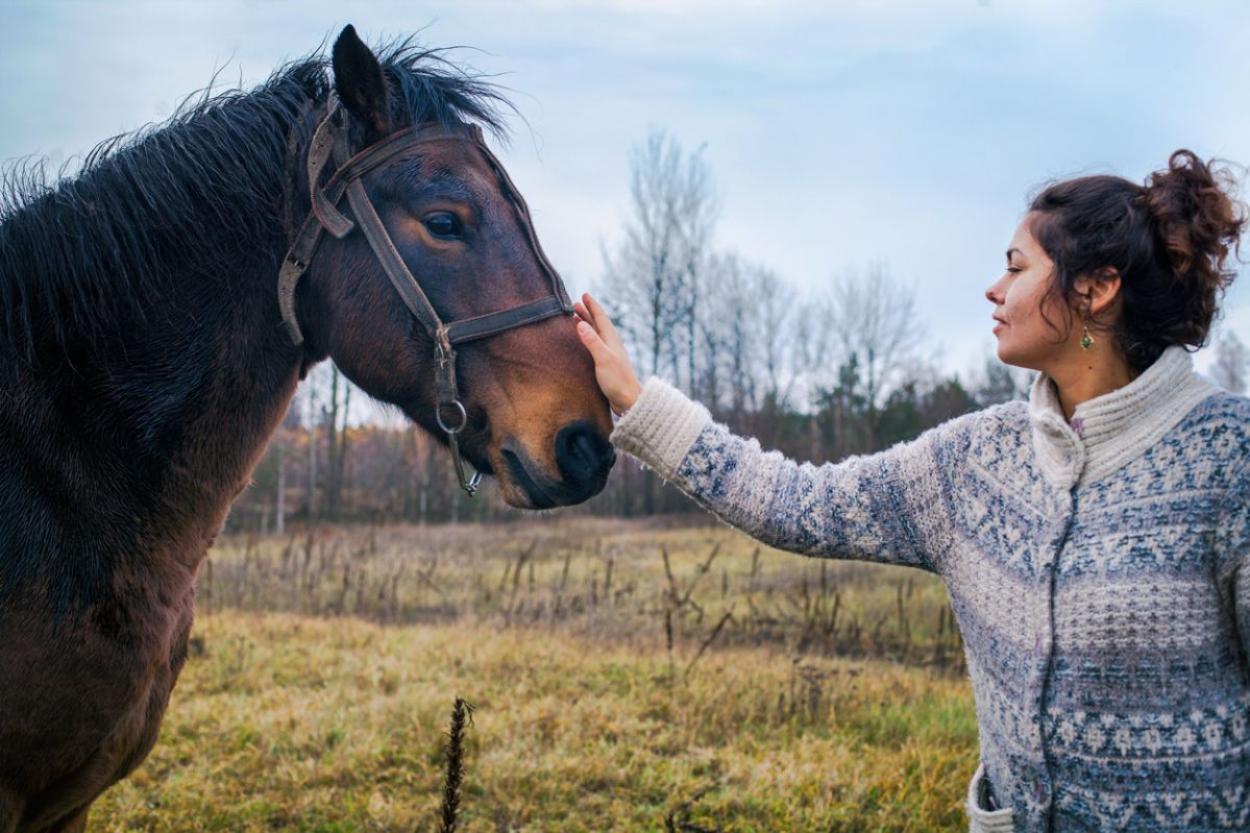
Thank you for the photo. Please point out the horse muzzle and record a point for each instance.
(583, 456)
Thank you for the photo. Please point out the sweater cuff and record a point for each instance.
(660, 427)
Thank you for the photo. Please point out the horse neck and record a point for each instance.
(181, 399)
(247, 374)
(143, 364)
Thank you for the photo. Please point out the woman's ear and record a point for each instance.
(1099, 289)
(360, 84)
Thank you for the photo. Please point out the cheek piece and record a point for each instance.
(330, 140)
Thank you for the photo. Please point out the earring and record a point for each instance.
(1087, 340)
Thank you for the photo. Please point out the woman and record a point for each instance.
(1095, 541)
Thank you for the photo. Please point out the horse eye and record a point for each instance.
(443, 224)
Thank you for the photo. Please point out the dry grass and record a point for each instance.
(588, 715)
(602, 579)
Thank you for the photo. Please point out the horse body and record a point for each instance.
(73, 742)
(144, 366)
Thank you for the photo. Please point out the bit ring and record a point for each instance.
(438, 417)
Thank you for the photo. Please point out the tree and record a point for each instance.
(774, 311)
(873, 317)
(1232, 361)
(901, 417)
(285, 439)
(729, 337)
(844, 408)
(811, 348)
(653, 281)
(334, 414)
(311, 396)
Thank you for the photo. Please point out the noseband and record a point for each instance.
(330, 140)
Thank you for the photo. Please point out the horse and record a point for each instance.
(159, 310)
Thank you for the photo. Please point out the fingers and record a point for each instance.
(595, 309)
(598, 350)
(600, 320)
(585, 315)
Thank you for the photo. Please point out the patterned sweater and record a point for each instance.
(1099, 571)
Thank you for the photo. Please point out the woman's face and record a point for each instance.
(1025, 339)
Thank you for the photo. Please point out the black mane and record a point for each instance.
(202, 190)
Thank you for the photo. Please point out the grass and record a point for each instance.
(608, 580)
(324, 709)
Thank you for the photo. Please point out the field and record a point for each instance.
(625, 676)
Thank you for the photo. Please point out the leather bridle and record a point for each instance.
(330, 140)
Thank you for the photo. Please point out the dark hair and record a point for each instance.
(1169, 240)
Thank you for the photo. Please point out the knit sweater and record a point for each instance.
(1099, 571)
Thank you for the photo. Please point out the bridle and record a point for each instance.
(330, 140)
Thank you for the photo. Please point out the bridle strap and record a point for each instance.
(326, 141)
(392, 263)
(330, 140)
(493, 323)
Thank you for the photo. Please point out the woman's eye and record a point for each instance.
(443, 224)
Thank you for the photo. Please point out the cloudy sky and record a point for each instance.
(839, 133)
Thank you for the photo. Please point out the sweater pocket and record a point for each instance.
(981, 819)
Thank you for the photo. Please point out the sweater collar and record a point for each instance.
(1109, 431)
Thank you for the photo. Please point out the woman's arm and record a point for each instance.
(887, 507)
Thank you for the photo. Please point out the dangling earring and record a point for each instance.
(1087, 340)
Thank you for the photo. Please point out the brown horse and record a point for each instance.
(144, 362)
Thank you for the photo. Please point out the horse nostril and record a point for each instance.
(583, 455)
(583, 447)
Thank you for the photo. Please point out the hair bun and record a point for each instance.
(1198, 216)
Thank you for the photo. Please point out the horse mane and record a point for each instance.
(203, 190)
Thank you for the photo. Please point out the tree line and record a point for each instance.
(817, 375)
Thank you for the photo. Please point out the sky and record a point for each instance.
(838, 133)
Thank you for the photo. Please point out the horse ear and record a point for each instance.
(359, 82)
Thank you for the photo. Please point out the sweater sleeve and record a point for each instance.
(886, 507)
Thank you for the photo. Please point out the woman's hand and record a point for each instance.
(612, 368)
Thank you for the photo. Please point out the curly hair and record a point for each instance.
(1170, 241)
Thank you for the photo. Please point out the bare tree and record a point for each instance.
(746, 335)
(1232, 361)
(653, 281)
(310, 388)
(729, 334)
(715, 338)
(291, 424)
(775, 301)
(873, 317)
(811, 349)
(335, 414)
(697, 212)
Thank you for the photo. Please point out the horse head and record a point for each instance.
(438, 281)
